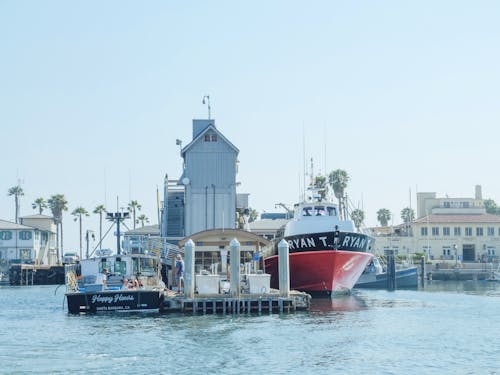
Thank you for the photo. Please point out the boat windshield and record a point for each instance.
(319, 211)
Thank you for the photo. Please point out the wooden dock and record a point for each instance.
(245, 304)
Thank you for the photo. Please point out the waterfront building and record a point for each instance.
(202, 198)
(446, 228)
(31, 241)
(209, 179)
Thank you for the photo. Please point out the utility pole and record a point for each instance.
(117, 217)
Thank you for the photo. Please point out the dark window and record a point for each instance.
(25, 235)
(435, 231)
(7, 235)
(446, 231)
(457, 231)
(479, 231)
(468, 231)
(423, 231)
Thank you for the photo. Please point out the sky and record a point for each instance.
(402, 95)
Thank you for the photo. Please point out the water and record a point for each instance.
(448, 328)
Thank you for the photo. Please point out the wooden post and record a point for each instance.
(391, 271)
(283, 269)
(422, 272)
(189, 251)
(235, 267)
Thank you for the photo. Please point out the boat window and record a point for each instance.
(307, 211)
(120, 268)
(319, 211)
(331, 211)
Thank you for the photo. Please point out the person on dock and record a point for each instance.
(102, 278)
(179, 273)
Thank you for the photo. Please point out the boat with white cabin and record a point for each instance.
(327, 255)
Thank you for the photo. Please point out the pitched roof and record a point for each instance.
(9, 225)
(202, 134)
(464, 218)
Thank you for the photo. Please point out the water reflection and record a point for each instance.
(477, 287)
(344, 303)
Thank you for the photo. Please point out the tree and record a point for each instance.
(58, 204)
(16, 191)
(491, 206)
(338, 180)
(408, 215)
(39, 204)
(383, 216)
(142, 219)
(358, 216)
(78, 213)
(321, 185)
(134, 206)
(100, 210)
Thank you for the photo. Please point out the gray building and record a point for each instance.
(209, 179)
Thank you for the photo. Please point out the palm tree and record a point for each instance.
(58, 204)
(383, 216)
(78, 213)
(100, 210)
(358, 216)
(39, 204)
(408, 215)
(321, 185)
(134, 206)
(16, 191)
(338, 180)
(142, 219)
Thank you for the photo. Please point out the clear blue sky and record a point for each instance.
(93, 95)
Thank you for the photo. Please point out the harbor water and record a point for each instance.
(444, 328)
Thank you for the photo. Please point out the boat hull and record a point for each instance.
(405, 278)
(113, 301)
(321, 272)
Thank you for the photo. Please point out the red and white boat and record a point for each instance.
(326, 255)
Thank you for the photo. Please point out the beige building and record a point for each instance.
(447, 229)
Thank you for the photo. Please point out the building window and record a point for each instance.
(457, 231)
(468, 231)
(7, 235)
(435, 231)
(25, 235)
(479, 231)
(491, 231)
(423, 231)
(446, 231)
(210, 137)
(25, 254)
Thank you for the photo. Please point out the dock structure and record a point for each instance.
(36, 274)
(245, 304)
(252, 295)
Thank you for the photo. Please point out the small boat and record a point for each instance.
(326, 255)
(494, 275)
(375, 276)
(133, 284)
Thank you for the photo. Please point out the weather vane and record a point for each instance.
(206, 100)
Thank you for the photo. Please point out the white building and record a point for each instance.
(448, 229)
(31, 241)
